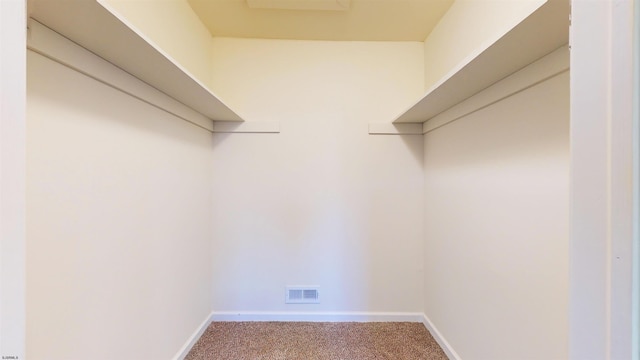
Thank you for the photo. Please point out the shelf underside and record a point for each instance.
(544, 31)
(91, 26)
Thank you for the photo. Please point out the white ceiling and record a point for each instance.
(365, 20)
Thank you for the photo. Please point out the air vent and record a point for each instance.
(302, 295)
(331, 5)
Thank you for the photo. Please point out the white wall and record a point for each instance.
(118, 222)
(12, 177)
(173, 27)
(496, 227)
(467, 29)
(322, 203)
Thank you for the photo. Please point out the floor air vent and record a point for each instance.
(302, 295)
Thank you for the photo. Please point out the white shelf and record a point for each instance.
(91, 26)
(544, 31)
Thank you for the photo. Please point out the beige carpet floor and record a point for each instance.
(311, 341)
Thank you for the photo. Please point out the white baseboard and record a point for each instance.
(318, 316)
(182, 353)
(444, 344)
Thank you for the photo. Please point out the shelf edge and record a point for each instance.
(488, 66)
(48, 43)
(541, 70)
(91, 26)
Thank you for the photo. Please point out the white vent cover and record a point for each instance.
(302, 295)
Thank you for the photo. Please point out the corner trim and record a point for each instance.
(444, 344)
(184, 350)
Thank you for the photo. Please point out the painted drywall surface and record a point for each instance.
(322, 203)
(467, 29)
(174, 28)
(496, 227)
(118, 224)
(12, 178)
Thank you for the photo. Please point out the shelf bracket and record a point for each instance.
(255, 127)
(395, 129)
